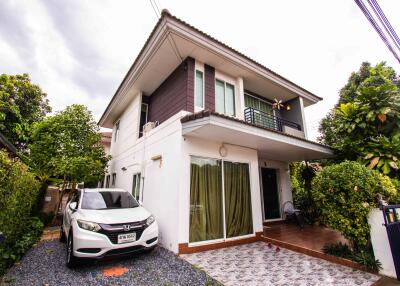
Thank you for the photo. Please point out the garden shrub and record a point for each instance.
(301, 175)
(18, 193)
(345, 193)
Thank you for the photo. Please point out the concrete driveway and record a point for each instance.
(258, 264)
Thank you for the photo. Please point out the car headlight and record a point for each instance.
(150, 220)
(92, 226)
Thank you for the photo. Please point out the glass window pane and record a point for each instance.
(230, 100)
(219, 96)
(238, 214)
(136, 186)
(250, 101)
(265, 107)
(108, 200)
(206, 215)
(199, 100)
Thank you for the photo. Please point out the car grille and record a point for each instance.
(113, 230)
(125, 250)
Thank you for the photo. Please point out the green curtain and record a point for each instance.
(206, 217)
(238, 214)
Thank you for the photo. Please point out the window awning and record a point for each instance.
(271, 144)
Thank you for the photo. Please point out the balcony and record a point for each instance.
(266, 139)
(267, 120)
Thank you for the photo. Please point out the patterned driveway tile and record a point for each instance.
(257, 264)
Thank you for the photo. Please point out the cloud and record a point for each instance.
(16, 31)
(68, 18)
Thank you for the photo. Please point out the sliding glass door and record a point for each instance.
(220, 200)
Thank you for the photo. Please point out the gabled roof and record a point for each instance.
(169, 27)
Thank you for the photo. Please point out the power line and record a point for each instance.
(385, 22)
(158, 9)
(169, 38)
(155, 9)
(372, 21)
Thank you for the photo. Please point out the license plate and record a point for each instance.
(126, 237)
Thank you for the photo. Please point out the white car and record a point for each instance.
(100, 223)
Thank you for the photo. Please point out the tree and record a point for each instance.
(365, 124)
(22, 103)
(67, 145)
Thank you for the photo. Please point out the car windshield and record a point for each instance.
(108, 200)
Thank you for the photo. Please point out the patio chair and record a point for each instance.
(292, 214)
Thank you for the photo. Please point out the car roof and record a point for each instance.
(103, 190)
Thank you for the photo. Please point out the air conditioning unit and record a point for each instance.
(149, 126)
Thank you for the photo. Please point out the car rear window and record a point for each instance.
(108, 200)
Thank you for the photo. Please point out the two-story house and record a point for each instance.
(200, 138)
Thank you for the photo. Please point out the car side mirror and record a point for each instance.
(73, 206)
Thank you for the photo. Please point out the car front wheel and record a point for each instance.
(71, 259)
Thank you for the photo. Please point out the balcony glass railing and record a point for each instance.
(263, 119)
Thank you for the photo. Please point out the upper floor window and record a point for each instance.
(199, 93)
(257, 103)
(114, 179)
(143, 117)
(116, 131)
(262, 113)
(224, 98)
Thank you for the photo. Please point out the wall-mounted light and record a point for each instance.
(157, 158)
(223, 151)
(124, 169)
(288, 107)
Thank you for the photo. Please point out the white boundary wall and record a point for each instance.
(380, 243)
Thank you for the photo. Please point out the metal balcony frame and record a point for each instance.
(263, 119)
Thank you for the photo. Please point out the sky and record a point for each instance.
(78, 51)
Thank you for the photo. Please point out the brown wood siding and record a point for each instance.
(209, 87)
(176, 93)
(190, 84)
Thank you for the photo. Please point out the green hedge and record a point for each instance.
(345, 193)
(18, 193)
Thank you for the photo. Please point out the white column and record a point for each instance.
(303, 117)
(240, 104)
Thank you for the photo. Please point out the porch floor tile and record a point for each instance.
(311, 237)
(258, 264)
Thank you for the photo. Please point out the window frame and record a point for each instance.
(138, 176)
(107, 182)
(196, 107)
(140, 133)
(116, 130)
(234, 95)
(113, 179)
(260, 99)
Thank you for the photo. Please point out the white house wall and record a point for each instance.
(204, 148)
(160, 178)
